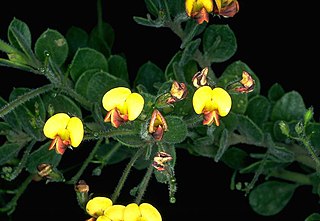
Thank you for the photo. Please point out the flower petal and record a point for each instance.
(208, 5)
(149, 212)
(54, 124)
(103, 218)
(115, 97)
(131, 212)
(222, 100)
(200, 98)
(189, 6)
(135, 103)
(115, 212)
(75, 128)
(97, 205)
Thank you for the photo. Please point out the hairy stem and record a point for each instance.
(144, 184)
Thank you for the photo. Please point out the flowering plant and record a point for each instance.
(89, 102)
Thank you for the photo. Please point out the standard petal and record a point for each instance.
(208, 5)
(97, 205)
(115, 212)
(55, 124)
(200, 98)
(114, 97)
(131, 212)
(189, 6)
(103, 218)
(75, 128)
(135, 104)
(221, 100)
(149, 212)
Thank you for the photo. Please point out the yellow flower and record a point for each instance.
(96, 206)
(144, 211)
(122, 105)
(212, 103)
(199, 9)
(64, 131)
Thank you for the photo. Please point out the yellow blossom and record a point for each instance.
(96, 206)
(199, 9)
(212, 103)
(122, 105)
(144, 211)
(64, 130)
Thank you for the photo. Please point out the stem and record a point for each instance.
(125, 174)
(144, 184)
(76, 177)
(10, 207)
(83, 101)
(292, 176)
(109, 133)
(311, 152)
(23, 98)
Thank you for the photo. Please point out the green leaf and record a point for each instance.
(249, 129)
(235, 158)
(230, 121)
(313, 131)
(177, 8)
(61, 104)
(239, 103)
(133, 138)
(18, 27)
(8, 151)
(118, 67)
(289, 107)
(219, 43)
(189, 51)
(81, 85)
(101, 38)
(76, 38)
(313, 217)
(42, 155)
(270, 197)
(11, 118)
(153, 6)
(275, 92)
(31, 114)
(223, 145)
(149, 74)
(189, 69)
(268, 165)
(258, 109)
(177, 130)
(147, 22)
(53, 44)
(100, 83)
(87, 59)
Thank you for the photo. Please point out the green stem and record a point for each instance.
(76, 177)
(311, 152)
(82, 100)
(10, 207)
(125, 174)
(292, 176)
(144, 184)
(109, 133)
(23, 98)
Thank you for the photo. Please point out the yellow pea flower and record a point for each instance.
(199, 9)
(96, 206)
(212, 103)
(144, 211)
(64, 130)
(122, 105)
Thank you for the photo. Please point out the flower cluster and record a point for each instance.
(102, 209)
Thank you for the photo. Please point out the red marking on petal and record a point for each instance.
(210, 117)
(158, 134)
(201, 16)
(117, 119)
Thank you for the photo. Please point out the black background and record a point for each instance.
(278, 41)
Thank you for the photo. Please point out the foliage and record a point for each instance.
(81, 68)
